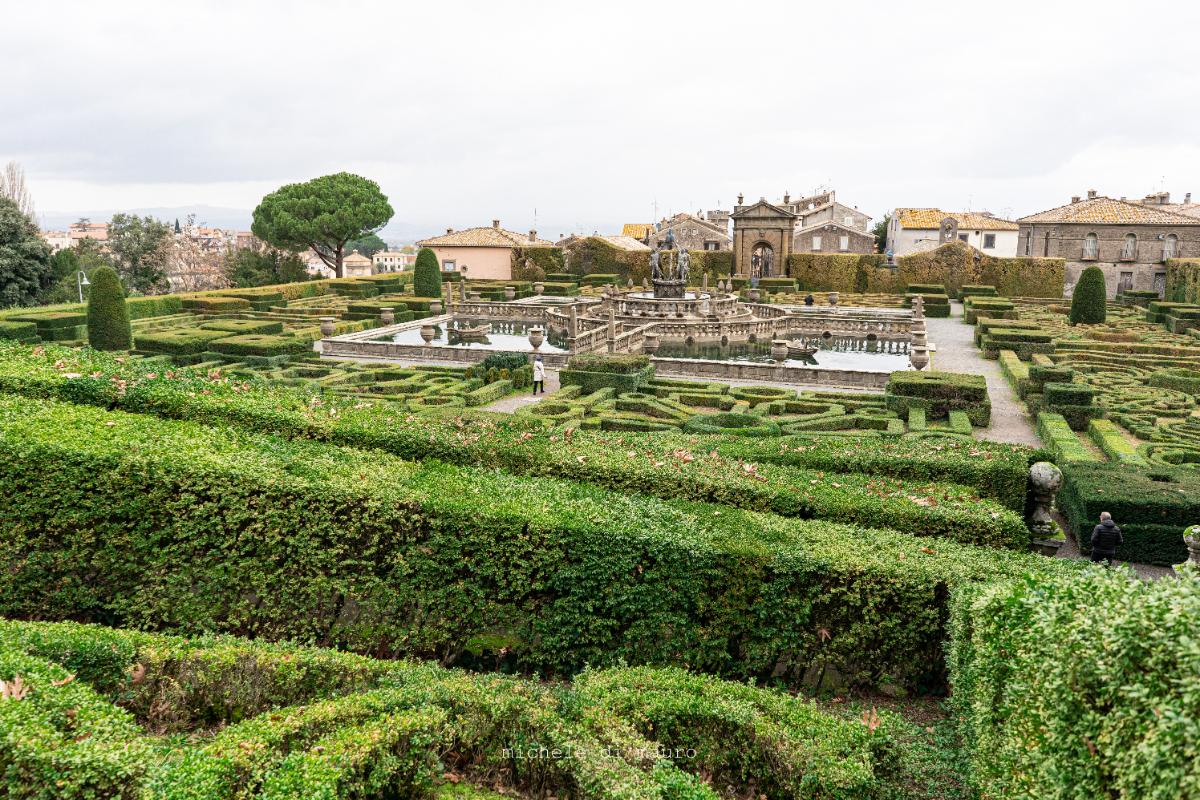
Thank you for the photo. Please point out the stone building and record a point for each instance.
(1130, 242)
(707, 231)
(918, 230)
(356, 265)
(823, 225)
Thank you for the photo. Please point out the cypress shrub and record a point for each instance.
(1087, 303)
(107, 318)
(427, 275)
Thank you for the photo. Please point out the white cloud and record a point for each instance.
(465, 111)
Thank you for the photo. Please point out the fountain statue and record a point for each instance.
(669, 269)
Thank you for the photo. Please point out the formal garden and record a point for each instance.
(235, 568)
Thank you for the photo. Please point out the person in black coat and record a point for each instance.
(1106, 538)
(808, 300)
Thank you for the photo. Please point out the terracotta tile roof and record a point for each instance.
(625, 242)
(638, 230)
(484, 237)
(1107, 211)
(1188, 209)
(931, 219)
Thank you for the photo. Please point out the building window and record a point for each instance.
(849, 220)
(1129, 247)
(712, 245)
(1171, 246)
(1126, 284)
(1091, 246)
(989, 241)
(816, 243)
(962, 237)
(1028, 242)
(449, 266)
(844, 243)
(1046, 245)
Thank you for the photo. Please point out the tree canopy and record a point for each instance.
(25, 268)
(322, 214)
(880, 231)
(367, 245)
(248, 268)
(140, 249)
(427, 274)
(1088, 302)
(107, 316)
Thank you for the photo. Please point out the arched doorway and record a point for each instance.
(762, 260)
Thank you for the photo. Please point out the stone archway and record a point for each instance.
(762, 260)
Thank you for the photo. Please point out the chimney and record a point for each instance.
(1187, 198)
(532, 235)
(449, 231)
(740, 198)
(787, 198)
(495, 223)
(1164, 198)
(1091, 194)
(1124, 199)
(1074, 199)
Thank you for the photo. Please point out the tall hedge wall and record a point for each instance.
(216, 529)
(953, 265)
(534, 263)
(1183, 280)
(1080, 686)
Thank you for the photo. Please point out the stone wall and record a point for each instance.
(860, 241)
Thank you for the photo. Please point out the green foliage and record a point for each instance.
(253, 344)
(1080, 686)
(139, 247)
(880, 231)
(248, 268)
(1150, 504)
(427, 274)
(178, 341)
(367, 245)
(618, 576)
(737, 424)
(940, 393)
(26, 271)
(1088, 303)
(593, 371)
(618, 363)
(1183, 280)
(534, 263)
(20, 331)
(107, 319)
(324, 213)
(288, 721)
(1060, 439)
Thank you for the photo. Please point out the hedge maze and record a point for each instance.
(234, 570)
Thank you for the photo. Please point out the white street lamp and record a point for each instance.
(82, 281)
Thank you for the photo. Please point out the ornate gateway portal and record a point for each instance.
(762, 239)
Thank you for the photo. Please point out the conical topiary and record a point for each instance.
(1089, 298)
(107, 318)
(427, 275)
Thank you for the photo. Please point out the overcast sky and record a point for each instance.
(591, 113)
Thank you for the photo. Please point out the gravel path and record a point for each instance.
(511, 403)
(956, 352)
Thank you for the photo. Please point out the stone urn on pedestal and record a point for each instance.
(328, 325)
(779, 350)
(650, 344)
(536, 337)
(833, 298)
(427, 333)
(1045, 480)
(539, 288)
(387, 315)
(754, 295)
(919, 358)
(920, 339)
(435, 307)
(1191, 537)
(510, 293)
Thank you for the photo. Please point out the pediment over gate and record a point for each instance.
(762, 210)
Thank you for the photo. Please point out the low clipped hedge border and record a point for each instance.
(301, 718)
(997, 471)
(343, 542)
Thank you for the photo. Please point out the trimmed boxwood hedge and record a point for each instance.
(343, 542)
(244, 326)
(259, 345)
(939, 393)
(1080, 686)
(1151, 505)
(296, 718)
(20, 331)
(731, 423)
(177, 341)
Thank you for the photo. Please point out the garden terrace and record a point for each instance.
(469, 546)
(1117, 404)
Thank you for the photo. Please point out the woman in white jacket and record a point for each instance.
(539, 375)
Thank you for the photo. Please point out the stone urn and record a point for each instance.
(833, 298)
(536, 337)
(473, 296)
(539, 288)
(328, 325)
(1045, 480)
(427, 333)
(650, 344)
(510, 293)
(920, 339)
(435, 307)
(779, 350)
(754, 295)
(1191, 537)
(629, 283)
(387, 315)
(919, 358)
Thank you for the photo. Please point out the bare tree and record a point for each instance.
(194, 263)
(13, 187)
